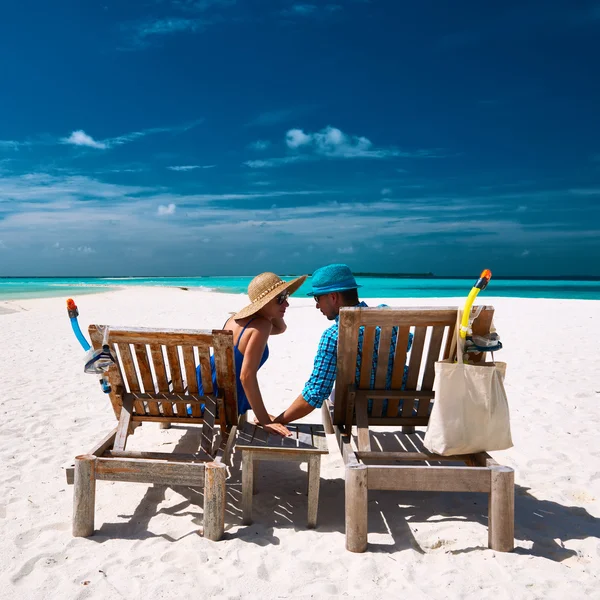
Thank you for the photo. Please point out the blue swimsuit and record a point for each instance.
(242, 400)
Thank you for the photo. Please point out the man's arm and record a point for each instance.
(296, 410)
(320, 384)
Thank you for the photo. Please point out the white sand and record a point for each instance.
(421, 545)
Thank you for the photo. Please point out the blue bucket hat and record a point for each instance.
(332, 278)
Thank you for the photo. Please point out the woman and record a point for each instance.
(251, 328)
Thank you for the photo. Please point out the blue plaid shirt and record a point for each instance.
(320, 384)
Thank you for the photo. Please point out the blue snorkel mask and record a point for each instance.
(97, 361)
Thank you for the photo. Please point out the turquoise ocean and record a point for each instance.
(373, 286)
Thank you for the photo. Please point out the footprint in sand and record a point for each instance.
(31, 536)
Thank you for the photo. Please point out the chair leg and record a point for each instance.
(314, 481)
(247, 483)
(501, 528)
(84, 495)
(215, 475)
(356, 508)
(326, 417)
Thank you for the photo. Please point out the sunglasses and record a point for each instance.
(282, 297)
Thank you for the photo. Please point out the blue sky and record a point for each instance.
(198, 137)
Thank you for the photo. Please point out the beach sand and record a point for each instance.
(421, 545)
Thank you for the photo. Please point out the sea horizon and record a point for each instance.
(372, 286)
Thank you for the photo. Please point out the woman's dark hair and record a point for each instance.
(349, 297)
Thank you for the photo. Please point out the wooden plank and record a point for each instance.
(481, 326)
(414, 367)
(282, 454)
(501, 532)
(149, 336)
(176, 379)
(319, 437)
(204, 361)
(253, 437)
(141, 355)
(161, 419)
(124, 421)
(356, 508)
(408, 421)
(161, 380)
(314, 481)
(362, 425)
(420, 395)
(450, 346)
(385, 340)
(169, 396)
(393, 456)
(190, 376)
(225, 368)
(345, 446)
(389, 316)
(101, 447)
(150, 471)
(172, 456)
(128, 368)
(350, 400)
(366, 362)
(346, 365)
(433, 355)
(214, 500)
(210, 412)
(247, 486)
(429, 479)
(302, 433)
(84, 495)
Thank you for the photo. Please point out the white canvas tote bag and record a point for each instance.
(470, 412)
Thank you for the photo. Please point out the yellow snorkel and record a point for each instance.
(481, 284)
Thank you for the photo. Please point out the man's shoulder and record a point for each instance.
(331, 333)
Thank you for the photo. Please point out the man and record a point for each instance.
(333, 287)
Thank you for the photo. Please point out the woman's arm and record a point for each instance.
(279, 326)
(259, 334)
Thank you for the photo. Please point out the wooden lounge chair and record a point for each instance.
(369, 464)
(155, 381)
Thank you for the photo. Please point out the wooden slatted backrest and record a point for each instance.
(399, 384)
(158, 368)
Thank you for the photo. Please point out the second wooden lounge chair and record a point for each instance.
(405, 402)
(154, 381)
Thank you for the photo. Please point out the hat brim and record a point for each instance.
(337, 289)
(251, 309)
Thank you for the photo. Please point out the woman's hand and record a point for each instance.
(279, 326)
(277, 429)
(274, 427)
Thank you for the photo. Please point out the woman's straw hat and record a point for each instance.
(263, 288)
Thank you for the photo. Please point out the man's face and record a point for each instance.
(329, 305)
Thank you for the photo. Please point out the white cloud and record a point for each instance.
(332, 142)
(260, 145)
(308, 10)
(346, 250)
(81, 138)
(525, 253)
(295, 138)
(184, 167)
(169, 209)
(86, 250)
(386, 191)
(274, 162)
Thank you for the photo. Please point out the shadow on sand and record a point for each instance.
(541, 525)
